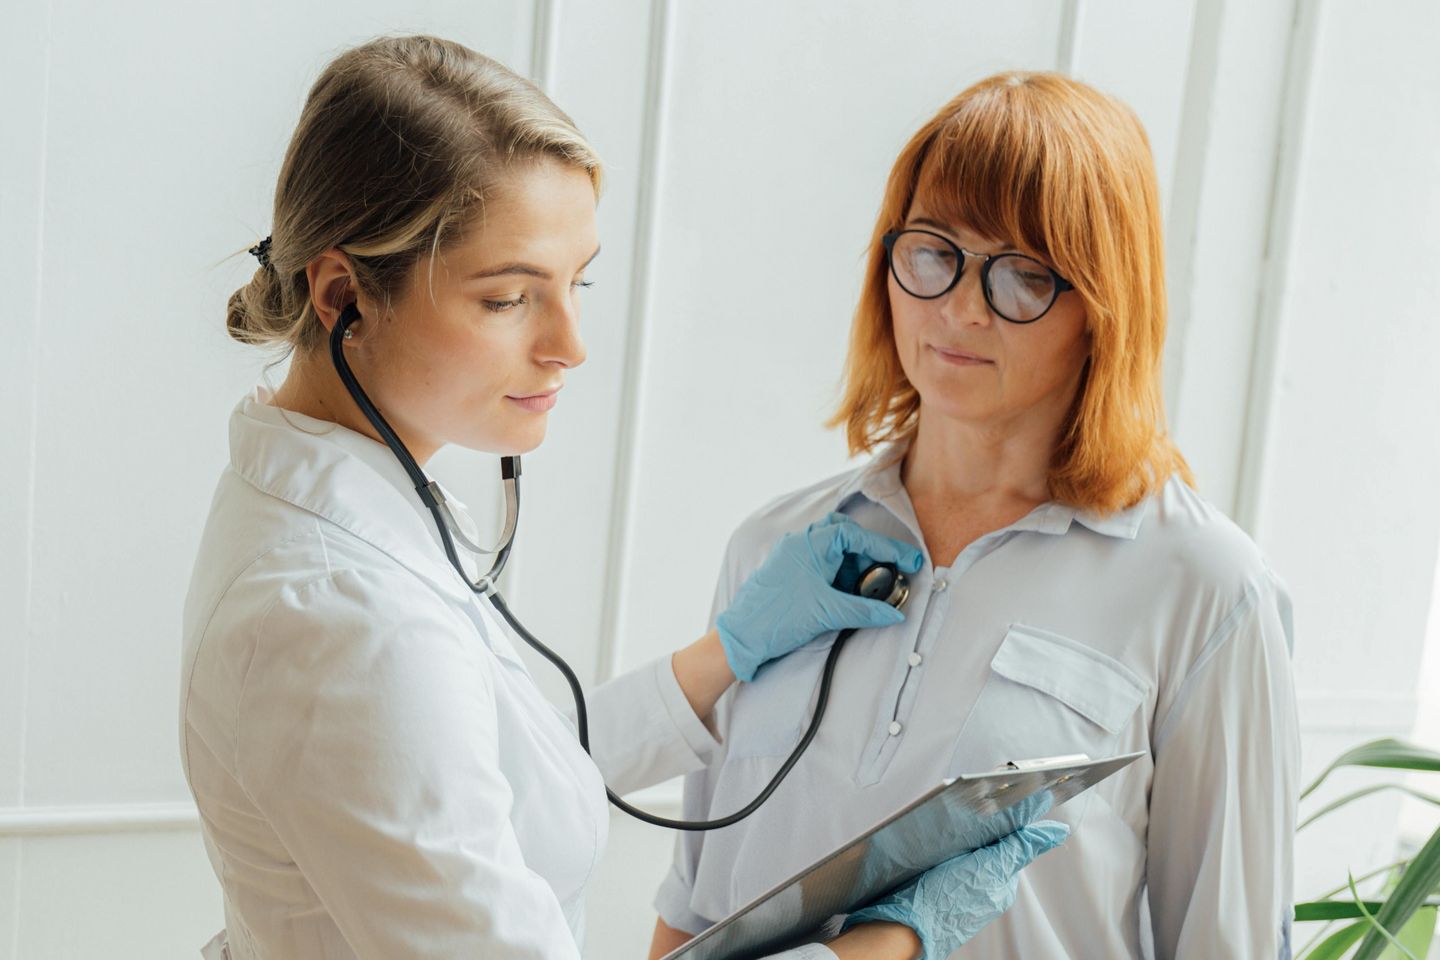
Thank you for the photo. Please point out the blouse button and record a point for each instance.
(895, 728)
(941, 584)
(915, 659)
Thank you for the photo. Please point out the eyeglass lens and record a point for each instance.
(1018, 288)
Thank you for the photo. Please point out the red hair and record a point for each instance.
(1064, 173)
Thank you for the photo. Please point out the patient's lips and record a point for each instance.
(959, 357)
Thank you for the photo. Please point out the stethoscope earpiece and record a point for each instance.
(348, 317)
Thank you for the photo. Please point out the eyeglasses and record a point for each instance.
(927, 265)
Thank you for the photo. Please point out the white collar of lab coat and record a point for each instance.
(343, 476)
(879, 482)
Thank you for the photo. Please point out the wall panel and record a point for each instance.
(1344, 453)
(126, 895)
(1219, 229)
(22, 185)
(563, 555)
(777, 143)
(9, 896)
(771, 179)
(142, 183)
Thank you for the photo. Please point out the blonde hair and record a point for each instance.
(397, 143)
(1065, 174)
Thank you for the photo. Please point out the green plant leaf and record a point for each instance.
(1334, 946)
(1420, 878)
(1416, 936)
(1328, 911)
(1377, 928)
(1361, 879)
(1334, 910)
(1388, 753)
(1358, 794)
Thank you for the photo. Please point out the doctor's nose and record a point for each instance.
(560, 343)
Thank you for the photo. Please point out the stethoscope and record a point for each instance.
(880, 581)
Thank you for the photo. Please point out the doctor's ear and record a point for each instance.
(332, 285)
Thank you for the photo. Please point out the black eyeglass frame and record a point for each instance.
(987, 261)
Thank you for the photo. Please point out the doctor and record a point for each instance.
(376, 772)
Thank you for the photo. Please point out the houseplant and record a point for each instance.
(1399, 919)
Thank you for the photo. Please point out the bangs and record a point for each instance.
(985, 169)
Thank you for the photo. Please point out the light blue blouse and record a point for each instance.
(1157, 629)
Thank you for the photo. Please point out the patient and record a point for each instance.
(1078, 595)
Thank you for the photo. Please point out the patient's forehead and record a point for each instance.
(995, 200)
(957, 228)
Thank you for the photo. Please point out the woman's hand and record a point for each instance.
(950, 903)
(877, 941)
(790, 600)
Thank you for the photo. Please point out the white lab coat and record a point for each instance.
(376, 772)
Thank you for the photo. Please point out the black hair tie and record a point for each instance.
(261, 252)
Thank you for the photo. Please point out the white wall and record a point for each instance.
(1419, 819)
(1345, 427)
(747, 144)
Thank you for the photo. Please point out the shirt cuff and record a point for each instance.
(699, 739)
(672, 902)
(806, 951)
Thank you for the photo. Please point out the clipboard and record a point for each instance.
(955, 817)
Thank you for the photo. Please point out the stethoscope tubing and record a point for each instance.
(487, 587)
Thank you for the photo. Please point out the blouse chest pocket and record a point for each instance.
(1046, 696)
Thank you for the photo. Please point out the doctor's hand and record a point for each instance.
(950, 903)
(790, 600)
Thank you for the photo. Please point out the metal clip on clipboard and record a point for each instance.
(1045, 763)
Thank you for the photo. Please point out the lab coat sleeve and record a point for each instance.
(1223, 800)
(383, 780)
(643, 730)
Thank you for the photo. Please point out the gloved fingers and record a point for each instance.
(1016, 850)
(846, 611)
(820, 533)
(849, 537)
(1033, 807)
(1048, 834)
(1003, 859)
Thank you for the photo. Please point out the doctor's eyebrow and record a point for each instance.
(517, 268)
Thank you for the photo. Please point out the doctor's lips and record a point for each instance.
(961, 357)
(535, 402)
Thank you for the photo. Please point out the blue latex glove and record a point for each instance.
(790, 601)
(950, 903)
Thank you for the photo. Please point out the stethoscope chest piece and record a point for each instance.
(882, 581)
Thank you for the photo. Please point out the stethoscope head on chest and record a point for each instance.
(878, 581)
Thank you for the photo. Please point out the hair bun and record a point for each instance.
(255, 314)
